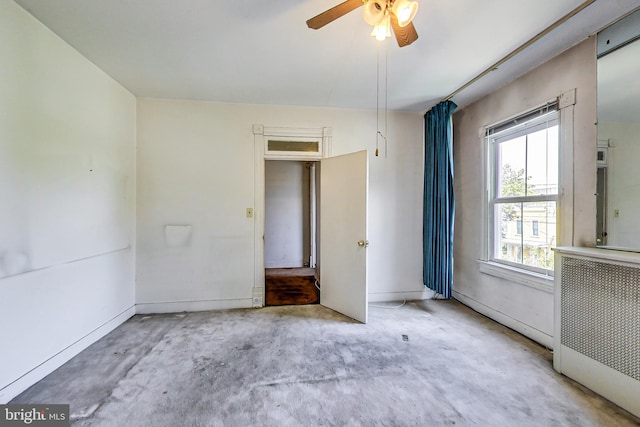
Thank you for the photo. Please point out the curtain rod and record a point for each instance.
(537, 37)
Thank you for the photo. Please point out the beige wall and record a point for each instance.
(525, 308)
(196, 166)
(287, 217)
(67, 192)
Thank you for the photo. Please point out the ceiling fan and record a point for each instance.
(383, 15)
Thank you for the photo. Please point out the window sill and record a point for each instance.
(522, 277)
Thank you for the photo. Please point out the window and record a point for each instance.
(299, 146)
(523, 191)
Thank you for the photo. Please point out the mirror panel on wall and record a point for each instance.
(618, 148)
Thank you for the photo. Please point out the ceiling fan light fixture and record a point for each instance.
(405, 11)
(373, 11)
(383, 29)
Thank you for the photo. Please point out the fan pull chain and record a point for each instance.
(379, 133)
(386, 98)
(377, 96)
(386, 93)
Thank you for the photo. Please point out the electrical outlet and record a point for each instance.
(249, 212)
(257, 301)
(258, 297)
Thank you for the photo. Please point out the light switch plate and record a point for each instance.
(249, 212)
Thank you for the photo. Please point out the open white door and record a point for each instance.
(343, 234)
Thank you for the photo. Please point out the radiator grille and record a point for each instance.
(600, 312)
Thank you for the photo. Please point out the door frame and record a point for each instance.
(261, 136)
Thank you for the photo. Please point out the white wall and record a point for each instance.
(67, 158)
(623, 186)
(196, 166)
(286, 230)
(526, 309)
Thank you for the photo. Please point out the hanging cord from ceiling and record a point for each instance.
(379, 133)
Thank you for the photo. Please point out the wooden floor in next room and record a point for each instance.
(291, 286)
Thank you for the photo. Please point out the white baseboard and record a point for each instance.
(202, 305)
(54, 362)
(400, 296)
(508, 321)
(607, 382)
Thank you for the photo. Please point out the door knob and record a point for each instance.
(363, 243)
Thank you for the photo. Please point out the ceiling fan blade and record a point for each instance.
(404, 35)
(332, 14)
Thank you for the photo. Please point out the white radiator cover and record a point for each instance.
(597, 322)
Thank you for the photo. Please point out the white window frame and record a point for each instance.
(543, 121)
(564, 209)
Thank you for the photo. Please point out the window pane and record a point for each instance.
(507, 240)
(510, 167)
(525, 167)
(305, 146)
(542, 161)
(524, 233)
(539, 234)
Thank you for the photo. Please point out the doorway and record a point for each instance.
(341, 255)
(290, 233)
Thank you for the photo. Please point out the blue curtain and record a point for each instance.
(439, 202)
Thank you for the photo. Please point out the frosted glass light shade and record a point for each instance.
(373, 11)
(405, 11)
(383, 29)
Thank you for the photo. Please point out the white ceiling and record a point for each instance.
(261, 51)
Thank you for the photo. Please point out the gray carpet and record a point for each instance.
(428, 363)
